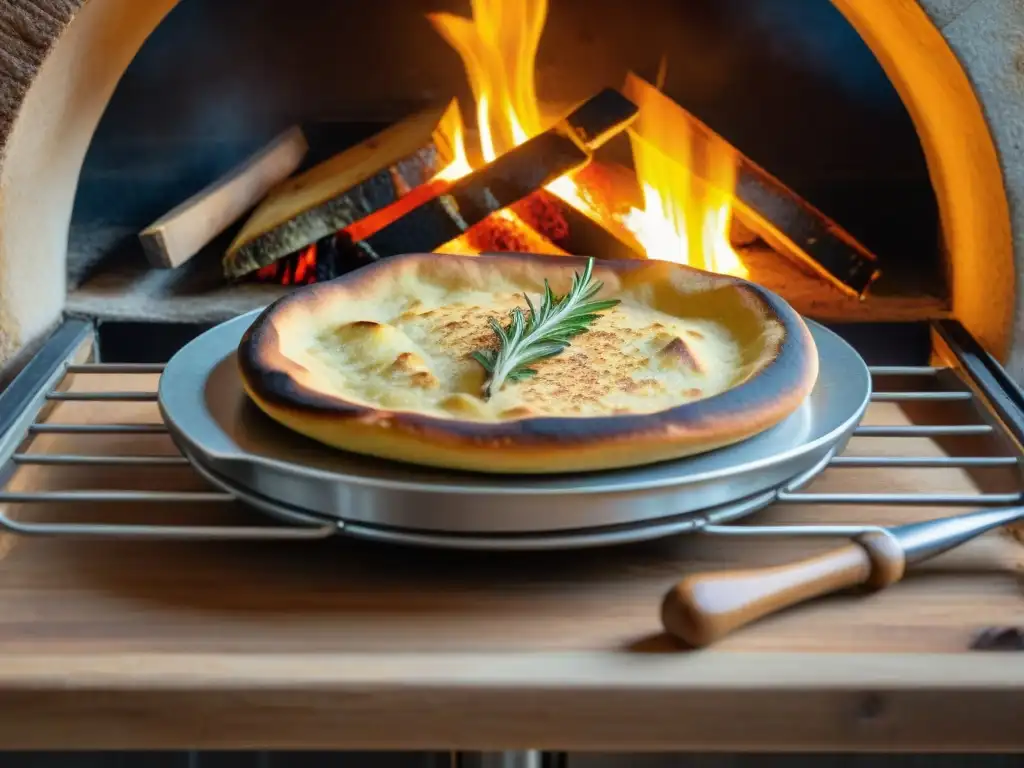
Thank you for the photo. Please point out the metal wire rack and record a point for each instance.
(967, 379)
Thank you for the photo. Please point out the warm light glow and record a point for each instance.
(459, 166)
(499, 50)
(298, 271)
(451, 129)
(498, 47)
(688, 183)
(683, 219)
(305, 264)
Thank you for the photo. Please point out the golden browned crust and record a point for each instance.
(780, 377)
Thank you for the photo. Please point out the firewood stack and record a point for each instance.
(411, 189)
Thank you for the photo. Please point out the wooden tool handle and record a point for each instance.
(705, 607)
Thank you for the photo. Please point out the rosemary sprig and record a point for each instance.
(544, 333)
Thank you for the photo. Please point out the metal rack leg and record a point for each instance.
(524, 759)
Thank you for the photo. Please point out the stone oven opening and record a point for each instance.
(191, 160)
(797, 93)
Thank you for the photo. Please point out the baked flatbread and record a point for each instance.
(378, 362)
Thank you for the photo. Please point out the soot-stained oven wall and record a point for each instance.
(791, 84)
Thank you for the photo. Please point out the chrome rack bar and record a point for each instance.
(916, 430)
(904, 370)
(903, 499)
(149, 497)
(117, 397)
(39, 383)
(898, 397)
(61, 459)
(98, 429)
(924, 462)
(115, 368)
(168, 532)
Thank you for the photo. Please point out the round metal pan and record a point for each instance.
(598, 536)
(213, 421)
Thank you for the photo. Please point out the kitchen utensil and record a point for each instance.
(703, 608)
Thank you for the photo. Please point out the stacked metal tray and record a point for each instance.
(289, 476)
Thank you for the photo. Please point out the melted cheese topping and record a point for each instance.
(634, 359)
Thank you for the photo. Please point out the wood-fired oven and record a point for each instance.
(860, 157)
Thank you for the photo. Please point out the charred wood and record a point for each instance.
(345, 189)
(565, 148)
(573, 231)
(782, 218)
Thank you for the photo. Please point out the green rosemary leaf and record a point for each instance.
(542, 331)
(533, 310)
(485, 358)
(520, 374)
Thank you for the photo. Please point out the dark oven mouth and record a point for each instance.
(708, 132)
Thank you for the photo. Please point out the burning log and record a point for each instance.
(793, 227)
(345, 189)
(450, 213)
(179, 234)
(740, 235)
(574, 231)
(503, 232)
(589, 223)
(325, 260)
(539, 223)
(776, 213)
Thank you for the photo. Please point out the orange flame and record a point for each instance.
(498, 47)
(687, 185)
(685, 219)
(451, 128)
(682, 220)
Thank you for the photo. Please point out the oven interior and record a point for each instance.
(794, 89)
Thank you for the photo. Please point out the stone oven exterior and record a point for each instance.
(958, 65)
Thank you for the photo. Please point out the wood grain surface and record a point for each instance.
(346, 644)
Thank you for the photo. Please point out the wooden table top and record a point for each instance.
(347, 644)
